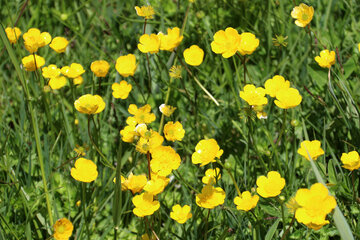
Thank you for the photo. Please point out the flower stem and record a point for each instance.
(282, 212)
(148, 159)
(83, 204)
(231, 176)
(288, 229)
(183, 180)
(282, 127)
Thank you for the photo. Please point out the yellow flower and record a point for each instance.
(134, 183)
(100, 68)
(206, 151)
(288, 98)
(246, 202)
(351, 160)
(34, 39)
(142, 115)
(210, 197)
(359, 47)
(303, 14)
(181, 214)
(175, 71)
(57, 82)
(50, 71)
(313, 147)
(260, 113)
(171, 40)
(63, 229)
(59, 44)
(30, 65)
(145, 204)
(128, 134)
(85, 170)
(271, 185)
(76, 121)
(89, 104)
(164, 160)
(248, 43)
(149, 43)
(211, 175)
(121, 90)
(174, 131)
(78, 80)
(226, 42)
(75, 70)
(13, 34)
(126, 65)
(326, 58)
(194, 55)
(146, 237)
(149, 142)
(157, 184)
(80, 151)
(273, 85)
(314, 205)
(145, 11)
(292, 205)
(167, 110)
(254, 96)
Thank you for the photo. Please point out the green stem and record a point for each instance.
(288, 229)
(282, 212)
(207, 224)
(231, 176)
(83, 204)
(166, 102)
(282, 127)
(183, 180)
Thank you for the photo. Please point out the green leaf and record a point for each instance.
(269, 235)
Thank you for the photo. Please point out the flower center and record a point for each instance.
(61, 229)
(305, 17)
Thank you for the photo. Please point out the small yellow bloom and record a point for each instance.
(80, 151)
(170, 41)
(149, 43)
(134, 183)
(254, 96)
(85, 170)
(248, 43)
(194, 55)
(292, 205)
(175, 71)
(303, 14)
(157, 184)
(34, 39)
(359, 47)
(50, 71)
(76, 121)
(246, 202)
(13, 34)
(164, 160)
(271, 185)
(31, 62)
(78, 203)
(181, 214)
(126, 65)
(313, 147)
(142, 114)
(149, 141)
(273, 85)
(59, 44)
(145, 204)
(128, 134)
(287, 98)
(145, 11)
(121, 90)
(167, 110)
(73, 71)
(146, 237)
(326, 58)
(206, 151)
(226, 42)
(100, 68)
(78, 80)
(174, 131)
(57, 82)
(314, 205)
(63, 229)
(351, 160)
(89, 104)
(211, 175)
(210, 197)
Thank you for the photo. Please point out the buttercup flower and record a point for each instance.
(148, 141)
(164, 160)
(211, 175)
(226, 42)
(351, 160)
(181, 214)
(157, 184)
(326, 58)
(128, 134)
(303, 14)
(167, 110)
(13, 34)
(260, 113)
(206, 151)
(145, 204)
(287, 98)
(149, 43)
(63, 229)
(78, 80)
(194, 55)
(31, 62)
(85, 170)
(89, 104)
(174, 131)
(59, 44)
(271, 185)
(134, 183)
(145, 11)
(314, 205)
(273, 85)
(313, 147)
(254, 96)
(175, 71)
(75, 70)
(50, 71)
(246, 202)
(126, 65)
(121, 90)
(170, 41)
(34, 39)
(57, 82)
(210, 197)
(100, 68)
(248, 43)
(142, 115)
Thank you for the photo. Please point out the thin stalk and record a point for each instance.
(282, 212)
(83, 204)
(231, 176)
(183, 180)
(288, 229)
(207, 224)
(353, 185)
(148, 72)
(166, 102)
(148, 160)
(282, 127)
